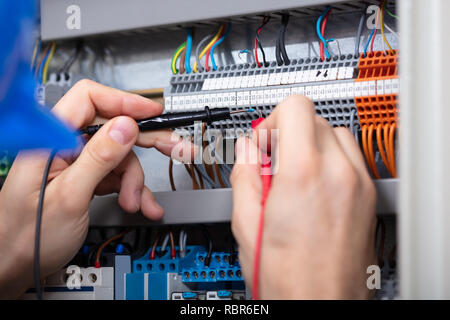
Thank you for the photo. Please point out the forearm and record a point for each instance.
(15, 265)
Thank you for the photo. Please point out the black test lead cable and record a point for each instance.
(37, 239)
(178, 119)
(165, 121)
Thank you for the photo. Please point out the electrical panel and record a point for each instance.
(131, 47)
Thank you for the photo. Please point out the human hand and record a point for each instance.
(319, 231)
(106, 165)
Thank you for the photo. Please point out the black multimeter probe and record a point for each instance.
(178, 119)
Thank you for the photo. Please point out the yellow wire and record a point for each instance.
(210, 44)
(33, 57)
(47, 63)
(382, 29)
(175, 58)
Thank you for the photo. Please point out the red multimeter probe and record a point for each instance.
(266, 177)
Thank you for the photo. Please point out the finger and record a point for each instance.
(169, 143)
(110, 184)
(327, 142)
(247, 187)
(101, 155)
(295, 120)
(149, 207)
(87, 99)
(352, 150)
(131, 184)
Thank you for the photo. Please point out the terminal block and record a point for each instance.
(187, 278)
(380, 71)
(75, 283)
(329, 84)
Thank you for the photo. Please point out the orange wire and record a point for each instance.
(391, 148)
(387, 147)
(105, 244)
(381, 149)
(364, 143)
(371, 153)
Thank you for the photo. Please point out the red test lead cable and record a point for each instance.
(266, 177)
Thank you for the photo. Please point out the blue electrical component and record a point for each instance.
(224, 294)
(149, 278)
(23, 124)
(120, 248)
(218, 270)
(190, 295)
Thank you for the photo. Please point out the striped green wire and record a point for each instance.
(176, 56)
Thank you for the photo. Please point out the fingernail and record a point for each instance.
(122, 131)
(137, 195)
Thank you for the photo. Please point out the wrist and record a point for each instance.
(16, 265)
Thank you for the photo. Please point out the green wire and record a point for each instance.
(390, 13)
(175, 57)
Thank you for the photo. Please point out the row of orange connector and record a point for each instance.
(378, 114)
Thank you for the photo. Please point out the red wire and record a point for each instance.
(256, 42)
(256, 53)
(376, 27)
(266, 182)
(324, 24)
(209, 51)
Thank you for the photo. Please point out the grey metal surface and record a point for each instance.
(122, 266)
(425, 151)
(206, 206)
(106, 16)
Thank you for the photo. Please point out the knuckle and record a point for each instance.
(297, 99)
(83, 84)
(346, 178)
(292, 103)
(322, 122)
(343, 133)
(99, 154)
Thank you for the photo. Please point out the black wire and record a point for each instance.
(66, 67)
(210, 245)
(266, 19)
(37, 239)
(278, 50)
(284, 23)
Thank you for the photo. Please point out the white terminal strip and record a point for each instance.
(328, 85)
(260, 91)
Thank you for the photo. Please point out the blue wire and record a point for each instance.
(187, 60)
(41, 68)
(319, 33)
(368, 41)
(213, 62)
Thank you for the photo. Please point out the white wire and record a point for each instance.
(165, 242)
(391, 31)
(181, 243)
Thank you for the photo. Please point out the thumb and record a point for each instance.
(103, 153)
(247, 189)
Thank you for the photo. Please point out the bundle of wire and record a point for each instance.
(258, 43)
(42, 66)
(280, 50)
(211, 52)
(380, 21)
(207, 48)
(66, 67)
(176, 56)
(320, 29)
